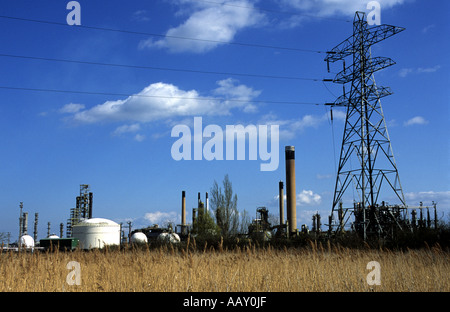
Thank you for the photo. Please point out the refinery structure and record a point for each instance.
(365, 145)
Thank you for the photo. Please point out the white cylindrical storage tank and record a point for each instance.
(96, 233)
(27, 241)
(53, 236)
(139, 238)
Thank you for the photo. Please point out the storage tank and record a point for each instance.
(169, 238)
(96, 233)
(27, 241)
(139, 238)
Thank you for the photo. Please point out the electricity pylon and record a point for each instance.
(366, 160)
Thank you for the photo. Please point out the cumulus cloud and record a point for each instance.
(71, 108)
(126, 129)
(327, 8)
(308, 198)
(290, 127)
(159, 217)
(164, 101)
(210, 23)
(418, 120)
(304, 198)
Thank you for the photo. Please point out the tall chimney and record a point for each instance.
(281, 199)
(206, 202)
(91, 199)
(290, 189)
(36, 216)
(25, 223)
(183, 208)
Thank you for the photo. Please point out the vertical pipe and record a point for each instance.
(183, 209)
(25, 223)
(281, 199)
(36, 216)
(91, 199)
(20, 221)
(290, 188)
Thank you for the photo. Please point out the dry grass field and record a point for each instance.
(246, 269)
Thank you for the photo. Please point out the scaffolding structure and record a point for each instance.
(366, 162)
(82, 210)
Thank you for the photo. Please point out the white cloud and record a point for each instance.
(406, 71)
(139, 137)
(159, 217)
(418, 120)
(427, 28)
(327, 8)
(212, 24)
(71, 108)
(428, 69)
(126, 129)
(308, 198)
(290, 127)
(164, 101)
(140, 16)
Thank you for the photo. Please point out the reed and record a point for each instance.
(245, 268)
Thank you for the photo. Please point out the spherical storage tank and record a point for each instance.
(96, 233)
(139, 238)
(172, 238)
(27, 241)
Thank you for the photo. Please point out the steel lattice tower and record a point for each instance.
(366, 158)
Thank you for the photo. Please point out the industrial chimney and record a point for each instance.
(281, 199)
(183, 210)
(290, 189)
(91, 199)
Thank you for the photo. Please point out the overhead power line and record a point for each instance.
(156, 96)
(254, 45)
(156, 68)
(274, 11)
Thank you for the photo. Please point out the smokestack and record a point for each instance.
(91, 198)
(25, 223)
(199, 200)
(290, 189)
(281, 198)
(183, 208)
(36, 216)
(206, 202)
(61, 230)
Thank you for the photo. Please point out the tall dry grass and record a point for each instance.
(248, 269)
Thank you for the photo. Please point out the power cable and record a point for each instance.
(254, 45)
(156, 68)
(273, 11)
(156, 96)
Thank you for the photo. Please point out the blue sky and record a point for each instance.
(54, 141)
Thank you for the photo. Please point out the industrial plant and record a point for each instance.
(365, 139)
